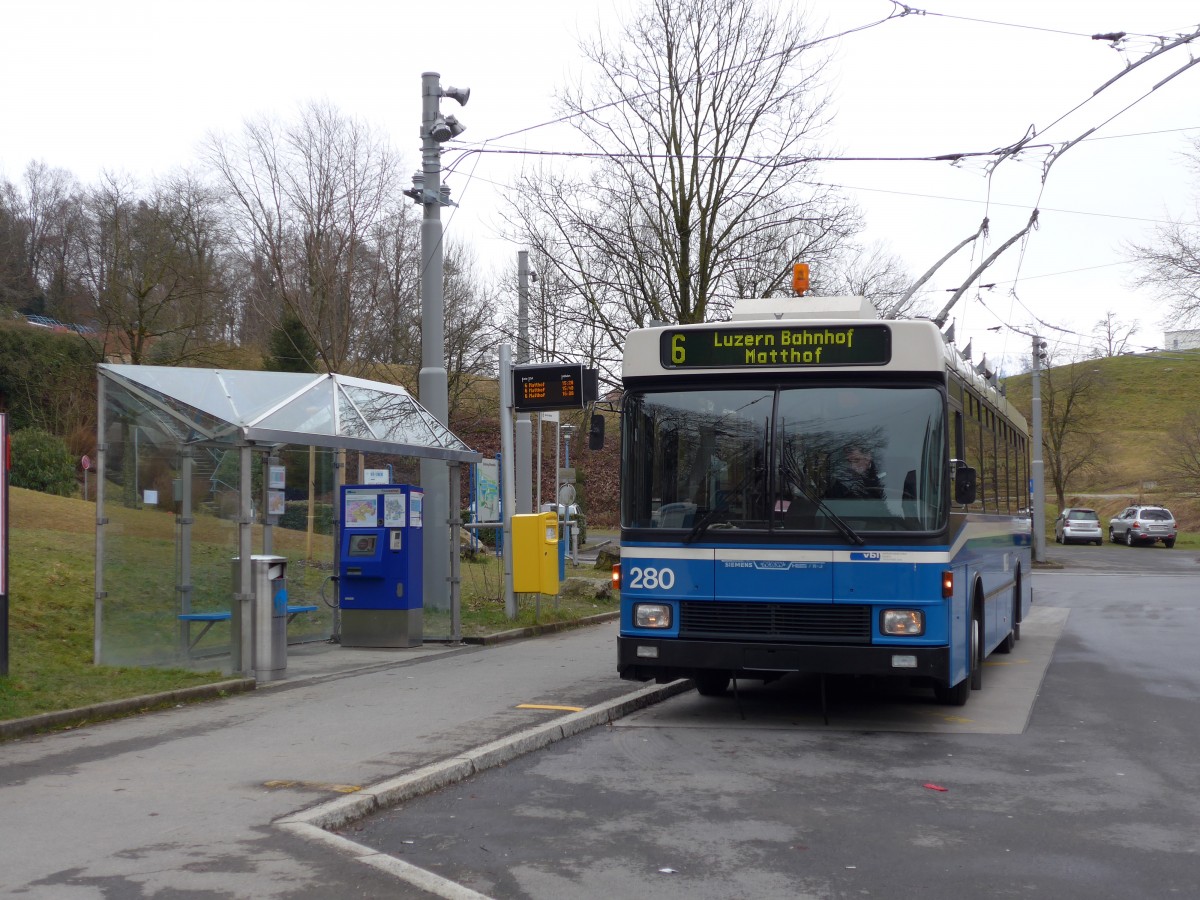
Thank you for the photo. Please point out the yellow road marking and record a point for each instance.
(948, 717)
(548, 706)
(317, 785)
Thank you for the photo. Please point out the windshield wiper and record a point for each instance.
(804, 483)
(705, 521)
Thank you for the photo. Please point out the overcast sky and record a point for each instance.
(135, 85)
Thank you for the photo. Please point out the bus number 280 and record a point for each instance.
(649, 579)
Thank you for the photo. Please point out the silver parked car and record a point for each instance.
(1143, 525)
(1078, 525)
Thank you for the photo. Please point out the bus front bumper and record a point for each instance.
(646, 659)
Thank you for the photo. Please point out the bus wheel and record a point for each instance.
(710, 682)
(975, 649)
(953, 696)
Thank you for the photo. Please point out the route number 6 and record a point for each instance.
(650, 579)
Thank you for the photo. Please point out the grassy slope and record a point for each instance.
(1140, 399)
(51, 587)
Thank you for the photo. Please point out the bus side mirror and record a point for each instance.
(965, 485)
(596, 433)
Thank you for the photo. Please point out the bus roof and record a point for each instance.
(916, 345)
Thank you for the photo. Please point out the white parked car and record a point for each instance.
(1077, 525)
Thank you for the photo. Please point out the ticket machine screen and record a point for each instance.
(363, 544)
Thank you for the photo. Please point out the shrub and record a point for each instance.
(42, 462)
(295, 516)
(486, 536)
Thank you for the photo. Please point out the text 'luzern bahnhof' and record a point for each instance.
(776, 346)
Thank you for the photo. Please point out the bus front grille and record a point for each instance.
(798, 622)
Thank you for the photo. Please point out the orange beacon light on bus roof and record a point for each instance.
(800, 278)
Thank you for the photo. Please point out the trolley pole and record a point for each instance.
(1038, 470)
(523, 451)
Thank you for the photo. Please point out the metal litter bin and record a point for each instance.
(268, 617)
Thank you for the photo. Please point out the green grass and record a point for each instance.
(52, 587)
(1138, 399)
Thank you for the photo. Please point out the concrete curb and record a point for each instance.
(430, 883)
(113, 708)
(535, 630)
(342, 811)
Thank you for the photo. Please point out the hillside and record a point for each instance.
(1136, 401)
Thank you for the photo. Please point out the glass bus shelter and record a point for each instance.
(189, 485)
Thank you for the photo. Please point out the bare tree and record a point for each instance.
(702, 117)
(1170, 263)
(304, 199)
(149, 265)
(39, 226)
(1071, 435)
(1179, 455)
(560, 330)
(394, 287)
(470, 331)
(873, 272)
(1113, 335)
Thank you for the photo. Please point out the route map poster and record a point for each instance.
(362, 509)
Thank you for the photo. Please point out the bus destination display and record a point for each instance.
(543, 387)
(776, 345)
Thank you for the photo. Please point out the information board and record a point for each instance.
(553, 386)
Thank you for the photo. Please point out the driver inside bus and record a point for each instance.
(855, 476)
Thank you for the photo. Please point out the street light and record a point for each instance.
(432, 383)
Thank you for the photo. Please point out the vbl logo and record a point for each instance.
(867, 555)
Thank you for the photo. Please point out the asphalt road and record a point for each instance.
(1073, 774)
(188, 802)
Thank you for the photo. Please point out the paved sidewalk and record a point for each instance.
(187, 802)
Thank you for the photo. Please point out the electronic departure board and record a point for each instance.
(773, 346)
(553, 386)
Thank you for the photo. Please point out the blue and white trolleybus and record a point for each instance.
(810, 488)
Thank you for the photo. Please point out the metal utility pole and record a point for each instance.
(507, 507)
(432, 384)
(523, 456)
(1037, 470)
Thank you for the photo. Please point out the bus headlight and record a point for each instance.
(652, 615)
(906, 622)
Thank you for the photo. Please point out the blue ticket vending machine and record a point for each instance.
(380, 571)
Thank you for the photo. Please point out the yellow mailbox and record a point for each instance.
(535, 553)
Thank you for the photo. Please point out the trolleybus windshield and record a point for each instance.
(792, 459)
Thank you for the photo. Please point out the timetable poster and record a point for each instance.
(393, 509)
